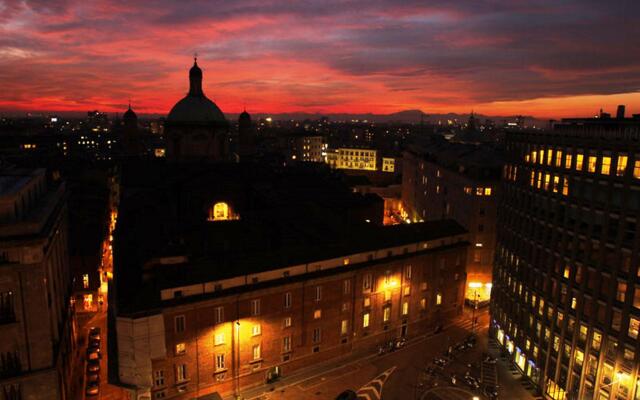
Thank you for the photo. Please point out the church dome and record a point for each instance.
(129, 115)
(195, 107)
(244, 116)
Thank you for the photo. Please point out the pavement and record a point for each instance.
(409, 380)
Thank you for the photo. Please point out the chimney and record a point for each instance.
(620, 112)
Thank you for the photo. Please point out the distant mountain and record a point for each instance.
(405, 116)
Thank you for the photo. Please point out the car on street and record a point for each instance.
(486, 358)
(93, 353)
(93, 365)
(441, 362)
(93, 388)
(94, 333)
(471, 382)
(490, 391)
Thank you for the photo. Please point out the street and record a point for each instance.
(409, 380)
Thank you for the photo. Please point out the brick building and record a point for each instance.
(458, 181)
(294, 278)
(37, 328)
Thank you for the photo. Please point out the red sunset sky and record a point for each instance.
(497, 57)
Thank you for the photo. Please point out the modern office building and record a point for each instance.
(37, 328)
(229, 276)
(459, 181)
(566, 300)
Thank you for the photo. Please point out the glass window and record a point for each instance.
(621, 165)
(567, 161)
(636, 169)
(218, 338)
(592, 164)
(605, 168)
(317, 314)
(256, 330)
(438, 299)
(365, 320)
(579, 161)
(219, 312)
(181, 348)
(634, 327)
(344, 327)
(256, 351)
(386, 313)
(220, 364)
(255, 307)
(179, 323)
(286, 343)
(287, 322)
(405, 308)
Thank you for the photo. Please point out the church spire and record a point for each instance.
(195, 78)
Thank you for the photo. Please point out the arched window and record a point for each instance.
(221, 211)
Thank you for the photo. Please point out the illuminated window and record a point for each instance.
(621, 292)
(218, 338)
(386, 314)
(286, 322)
(549, 156)
(479, 191)
(407, 290)
(567, 161)
(567, 271)
(579, 160)
(256, 330)
(565, 186)
(318, 293)
(220, 362)
(344, 327)
(85, 281)
(180, 348)
(487, 191)
(596, 341)
(541, 156)
(405, 308)
(367, 301)
(255, 351)
(365, 320)
(534, 157)
(547, 179)
(423, 304)
(634, 327)
(533, 178)
(438, 299)
(317, 314)
(387, 295)
(621, 165)
(591, 167)
(556, 183)
(181, 373)
(559, 158)
(467, 190)
(605, 168)
(636, 169)
(219, 212)
(539, 184)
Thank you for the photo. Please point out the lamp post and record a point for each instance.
(238, 360)
(473, 312)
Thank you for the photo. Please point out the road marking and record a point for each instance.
(373, 389)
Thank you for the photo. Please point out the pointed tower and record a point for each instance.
(130, 139)
(246, 136)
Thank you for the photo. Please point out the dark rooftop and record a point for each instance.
(287, 217)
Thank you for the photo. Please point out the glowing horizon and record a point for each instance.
(547, 61)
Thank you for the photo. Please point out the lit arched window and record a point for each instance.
(221, 212)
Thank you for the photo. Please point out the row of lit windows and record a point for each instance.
(547, 181)
(555, 158)
(479, 191)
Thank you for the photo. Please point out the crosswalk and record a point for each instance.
(373, 389)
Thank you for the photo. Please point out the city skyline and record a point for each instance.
(496, 58)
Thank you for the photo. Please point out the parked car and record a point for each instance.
(93, 353)
(471, 382)
(94, 333)
(490, 391)
(441, 362)
(93, 388)
(347, 395)
(93, 365)
(94, 344)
